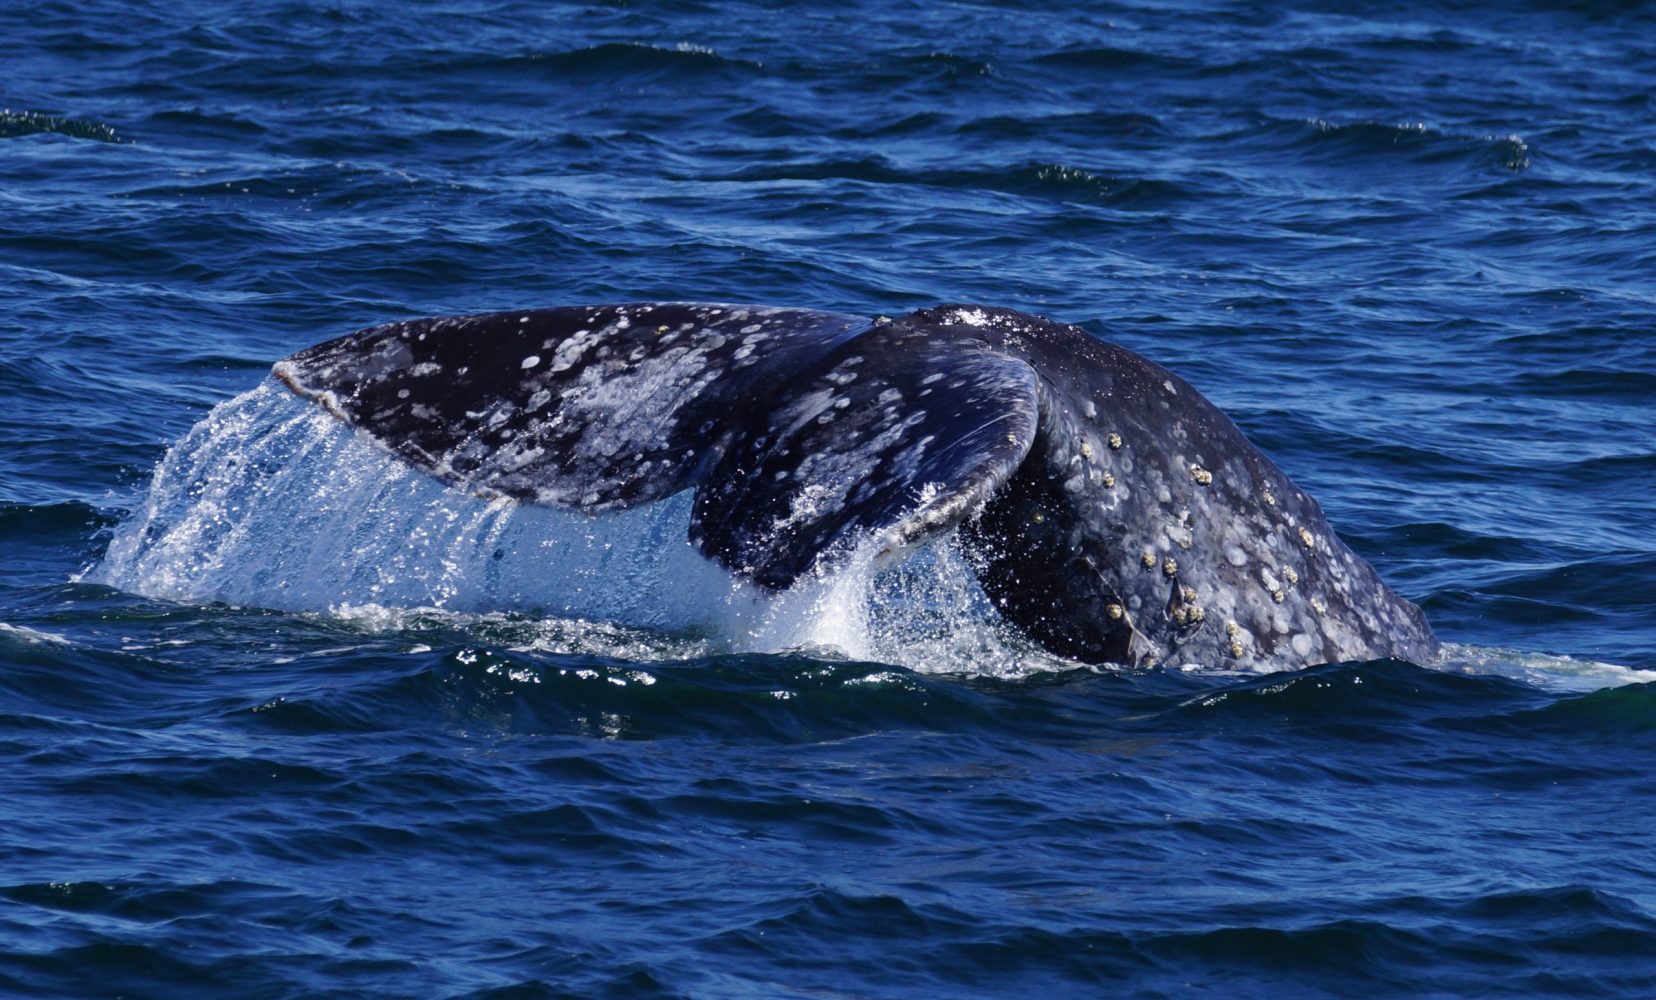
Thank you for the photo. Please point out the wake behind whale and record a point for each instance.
(681, 465)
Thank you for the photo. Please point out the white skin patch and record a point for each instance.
(531, 361)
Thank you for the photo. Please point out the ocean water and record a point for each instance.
(285, 719)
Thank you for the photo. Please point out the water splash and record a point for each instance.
(271, 502)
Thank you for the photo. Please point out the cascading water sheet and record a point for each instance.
(271, 502)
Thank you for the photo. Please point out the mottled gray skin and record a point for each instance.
(1109, 510)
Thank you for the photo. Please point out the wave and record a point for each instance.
(684, 58)
(781, 698)
(1370, 692)
(1112, 59)
(1369, 143)
(64, 518)
(908, 70)
(812, 932)
(1627, 384)
(20, 123)
(1044, 180)
(1080, 128)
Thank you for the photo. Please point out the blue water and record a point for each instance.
(319, 743)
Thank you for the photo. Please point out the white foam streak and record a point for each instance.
(1544, 670)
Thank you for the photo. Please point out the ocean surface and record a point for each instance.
(282, 718)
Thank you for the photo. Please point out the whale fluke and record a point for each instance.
(1109, 510)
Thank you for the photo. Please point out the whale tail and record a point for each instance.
(1108, 509)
